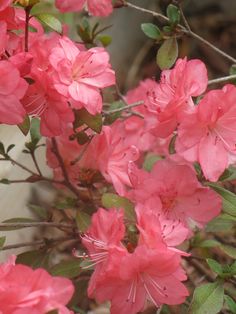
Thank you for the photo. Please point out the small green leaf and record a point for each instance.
(150, 161)
(167, 53)
(105, 40)
(83, 220)
(25, 126)
(51, 21)
(10, 147)
(209, 243)
(228, 198)
(220, 224)
(173, 14)
(34, 259)
(151, 31)
(207, 299)
(2, 149)
(35, 131)
(41, 212)
(15, 221)
(5, 181)
(82, 138)
(2, 241)
(229, 250)
(92, 121)
(69, 269)
(110, 200)
(230, 303)
(215, 266)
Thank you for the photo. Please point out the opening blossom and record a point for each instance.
(24, 290)
(176, 187)
(208, 134)
(80, 75)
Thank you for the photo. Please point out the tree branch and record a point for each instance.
(35, 224)
(184, 29)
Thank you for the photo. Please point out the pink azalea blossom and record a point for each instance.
(208, 134)
(24, 290)
(107, 152)
(80, 75)
(12, 90)
(173, 95)
(102, 239)
(41, 100)
(181, 195)
(4, 4)
(95, 7)
(132, 279)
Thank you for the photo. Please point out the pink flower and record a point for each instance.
(153, 275)
(80, 75)
(4, 4)
(208, 134)
(181, 195)
(12, 90)
(102, 239)
(107, 152)
(24, 290)
(41, 100)
(173, 95)
(95, 7)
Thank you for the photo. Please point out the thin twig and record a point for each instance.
(35, 224)
(67, 182)
(27, 19)
(184, 29)
(32, 153)
(81, 154)
(37, 242)
(136, 104)
(222, 79)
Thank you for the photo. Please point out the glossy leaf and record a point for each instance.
(110, 200)
(69, 269)
(167, 53)
(51, 21)
(207, 299)
(151, 31)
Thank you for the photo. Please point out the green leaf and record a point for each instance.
(110, 200)
(92, 121)
(220, 224)
(10, 147)
(215, 266)
(34, 259)
(13, 221)
(82, 138)
(2, 149)
(69, 269)
(207, 299)
(39, 211)
(5, 181)
(229, 250)
(173, 14)
(35, 131)
(83, 220)
(51, 21)
(151, 31)
(105, 40)
(150, 161)
(209, 243)
(167, 53)
(25, 126)
(230, 303)
(2, 241)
